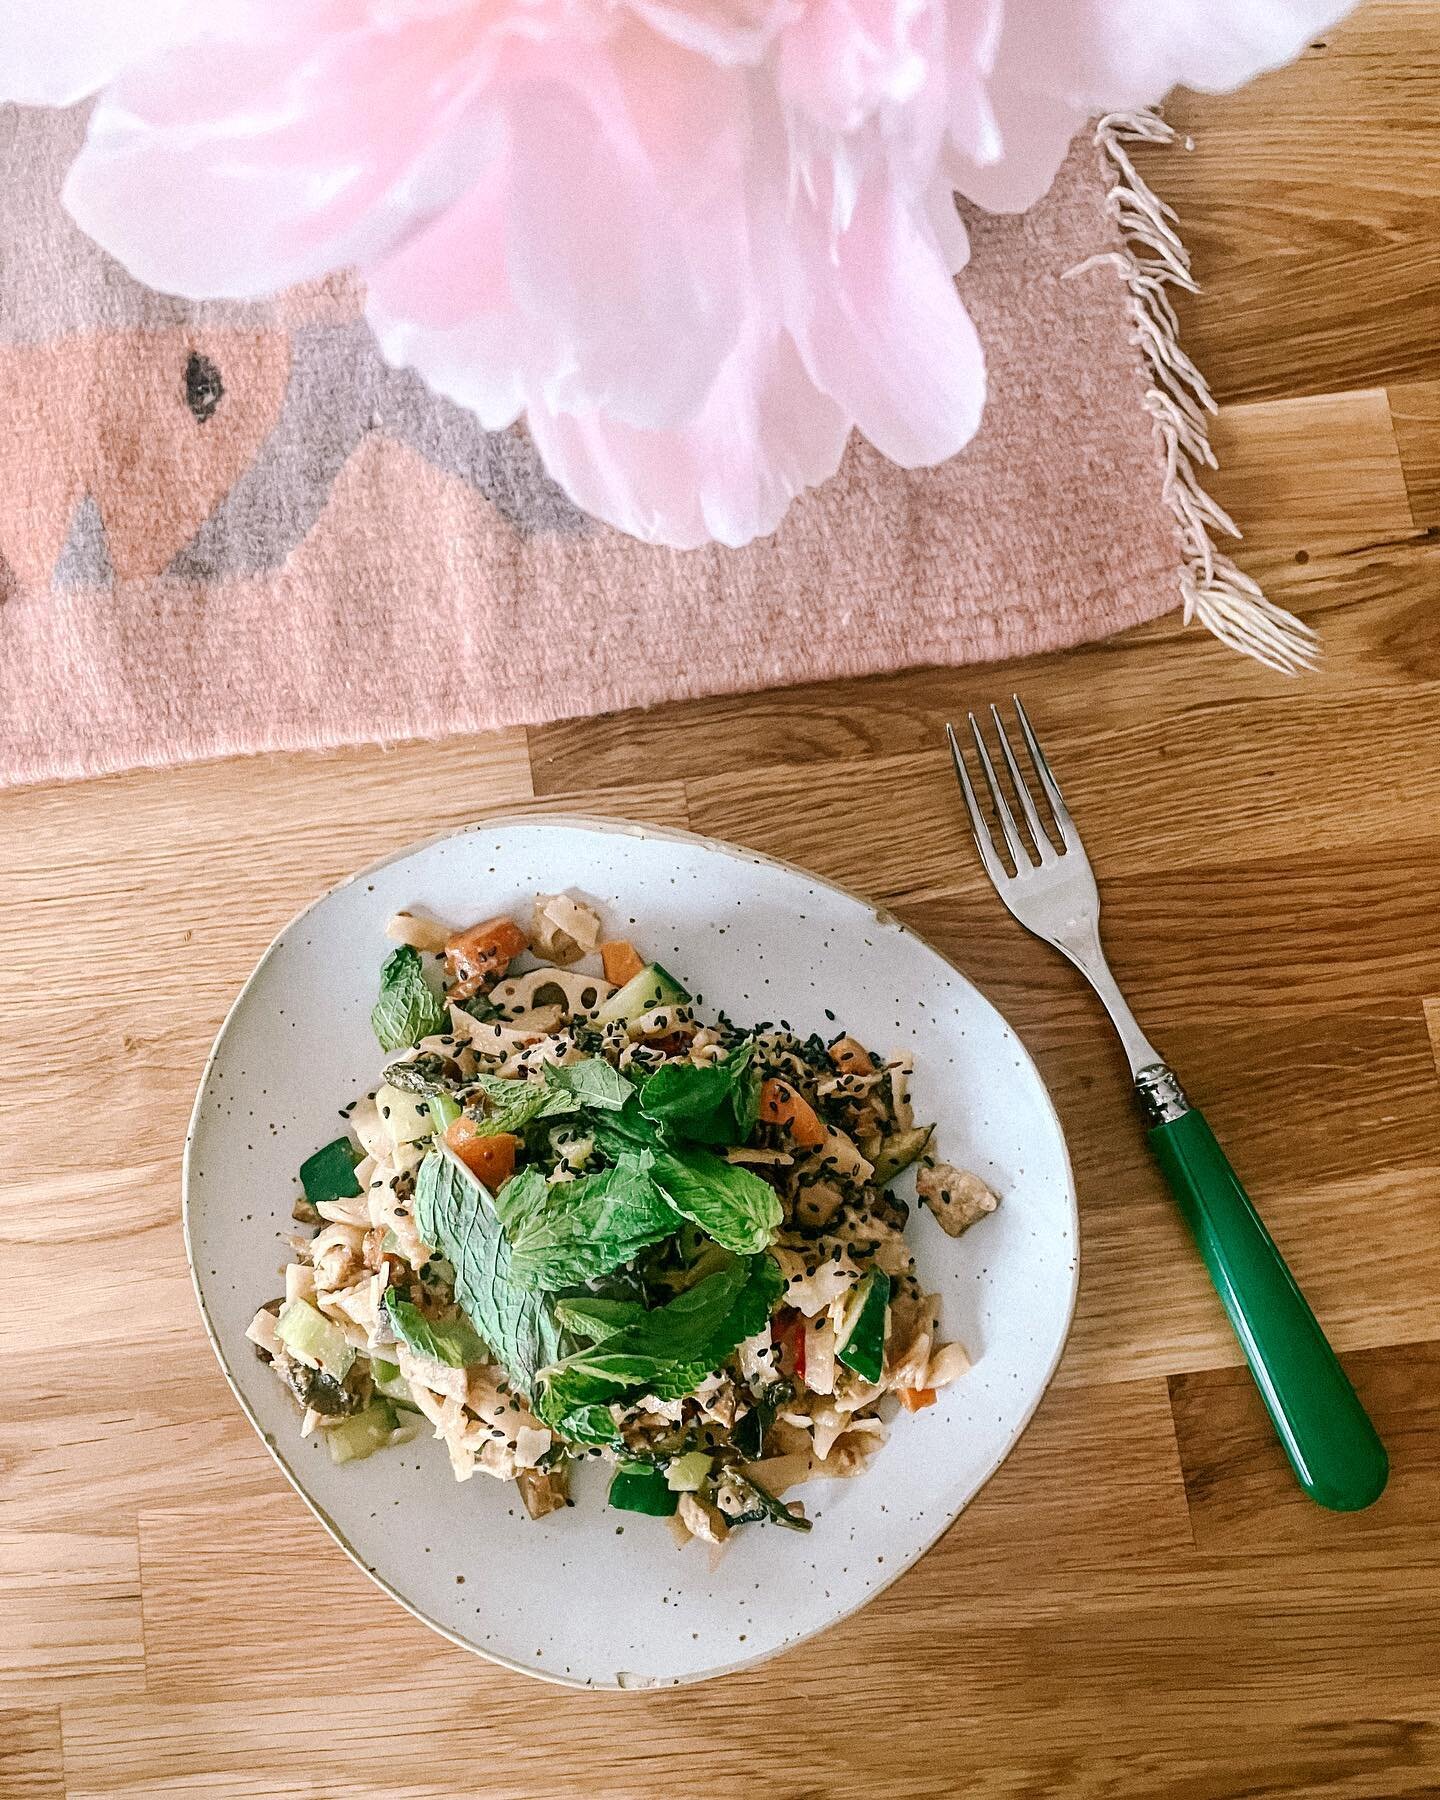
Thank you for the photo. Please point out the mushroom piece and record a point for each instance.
(956, 1197)
(564, 929)
(544, 1490)
(316, 1390)
(703, 1520)
(817, 1204)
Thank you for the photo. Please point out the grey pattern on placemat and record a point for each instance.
(340, 389)
(85, 560)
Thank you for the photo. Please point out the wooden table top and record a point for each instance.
(1140, 1603)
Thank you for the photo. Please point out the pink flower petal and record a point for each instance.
(323, 138)
(726, 31)
(974, 43)
(887, 337)
(693, 241)
(442, 305)
(843, 60)
(766, 434)
(594, 250)
(1060, 61)
(55, 52)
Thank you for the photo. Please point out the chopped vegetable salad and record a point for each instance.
(576, 1219)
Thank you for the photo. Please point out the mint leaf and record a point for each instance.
(516, 1103)
(573, 1231)
(589, 1425)
(407, 1010)
(730, 1202)
(592, 1317)
(593, 1083)
(521, 1199)
(672, 1349)
(715, 1103)
(454, 1343)
(627, 1129)
(458, 1217)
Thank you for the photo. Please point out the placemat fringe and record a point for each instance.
(1213, 588)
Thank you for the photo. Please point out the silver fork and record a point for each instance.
(1045, 880)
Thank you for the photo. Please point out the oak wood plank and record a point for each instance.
(1164, 790)
(913, 1747)
(1331, 1123)
(1327, 466)
(1307, 205)
(1121, 1673)
(71, 1602)
(1241, 1495)
(1415, 409)
(31, 1756)
(1332, 932)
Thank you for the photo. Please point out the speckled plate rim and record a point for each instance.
(620, 828)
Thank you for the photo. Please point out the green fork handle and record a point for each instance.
(1333, 1448)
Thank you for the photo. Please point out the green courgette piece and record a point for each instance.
(687, 1474)
(361, 1436)
(652, 987)
(860, 1341)
(444, 1111)
(899, 1150)
(389, 1382)
(642, 1488)
(330, 1173)
(311, 1338)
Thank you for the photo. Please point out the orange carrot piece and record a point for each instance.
(485, 949)
(912, 1399)
(781, 1105)
(490, 1159)
(622, 961)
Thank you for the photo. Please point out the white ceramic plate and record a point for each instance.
(590, 1596)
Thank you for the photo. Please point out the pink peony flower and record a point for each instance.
(694, 243)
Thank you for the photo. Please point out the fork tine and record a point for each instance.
(1069, 835)
(1044, 849)
(1018, 853)
(994, 868)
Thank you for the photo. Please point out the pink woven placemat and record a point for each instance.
(229, 529)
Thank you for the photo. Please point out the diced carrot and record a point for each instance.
(851, 1057)
(912, 1399)
(485, 949)
(622, 962)
(781, 1105)
(489, 1159)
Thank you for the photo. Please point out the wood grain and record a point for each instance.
(31, 1758)
(1240, 1493)
(1308, 205)
(1140, 1602)
(1415, 407)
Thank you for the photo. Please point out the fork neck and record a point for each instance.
(1157, 1088)
(1083, 949)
